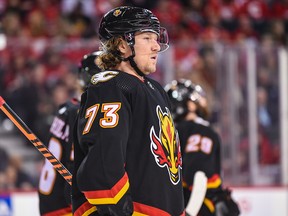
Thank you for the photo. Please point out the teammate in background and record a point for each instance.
(54, 192)
(200, 146)
(127, 158)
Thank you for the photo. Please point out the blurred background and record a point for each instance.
(235, 49)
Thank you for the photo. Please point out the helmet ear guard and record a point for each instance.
(130, 38)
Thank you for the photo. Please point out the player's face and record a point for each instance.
(203, 102)
(146, 51)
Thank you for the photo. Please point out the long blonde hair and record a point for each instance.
(111, 56)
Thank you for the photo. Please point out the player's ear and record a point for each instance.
(123, 47)
(191, 106)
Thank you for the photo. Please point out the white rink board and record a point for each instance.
(253, 201)
(19, 204)
(262, 201)
(25, 204)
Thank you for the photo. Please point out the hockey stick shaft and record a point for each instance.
(17, 121)
(198, 193)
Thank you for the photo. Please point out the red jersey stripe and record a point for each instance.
(85, 209)
(111, 196)
(64, 211)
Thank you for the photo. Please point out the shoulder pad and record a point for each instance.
(103, 76)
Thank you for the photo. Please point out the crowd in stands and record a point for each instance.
(46, 39)
(227, 20)
(12, 177)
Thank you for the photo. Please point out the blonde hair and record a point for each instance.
(111, 56)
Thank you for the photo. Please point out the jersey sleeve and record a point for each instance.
(103, 129)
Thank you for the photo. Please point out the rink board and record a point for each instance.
(253, 201)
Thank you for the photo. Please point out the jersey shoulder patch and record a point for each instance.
(103, 76)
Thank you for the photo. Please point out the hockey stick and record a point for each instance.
(35, 141)
(198, 193)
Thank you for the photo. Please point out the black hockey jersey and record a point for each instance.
(200, 146)
(54, 192)
(128, 151)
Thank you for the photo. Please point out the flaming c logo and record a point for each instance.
(166, 147)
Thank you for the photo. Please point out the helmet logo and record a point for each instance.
(117, 12)
(129, 37)
(166, 147)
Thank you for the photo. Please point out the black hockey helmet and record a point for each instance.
(87, 68)
(126, 20)
(180, 92)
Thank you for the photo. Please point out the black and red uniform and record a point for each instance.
(127, 152)
(54, 192)
(200, 146)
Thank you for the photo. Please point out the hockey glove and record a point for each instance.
(225, 205)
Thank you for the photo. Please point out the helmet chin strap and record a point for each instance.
(134, 66)
(133, 63)
(130, 39)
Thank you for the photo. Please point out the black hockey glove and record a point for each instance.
(225, 205)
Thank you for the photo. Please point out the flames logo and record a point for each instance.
(166, 147)
(117, 12)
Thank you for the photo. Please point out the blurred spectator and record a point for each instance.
(12, 177)
(88, 7)
(16, 177)
(31, 92)
(103, 6)
(192, 17)
(268, 152)
(213, 32)
(258, 12)
(169, 19)
(3, 167)
(36, 24)
(21, 7)
(245, 30)
(279, 10)
(270, 90)
(60, 94)
(226, 10)
(264, 116)
(210, 66)
(11, 24)
(278, 33)
(53, 62)
(2, 84)
(149, 4)
(4, 160)
(79, 23)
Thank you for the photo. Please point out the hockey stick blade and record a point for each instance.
(198, 193)
(17, 121)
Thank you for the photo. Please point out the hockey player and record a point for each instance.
(127, 158)
(54, 192)
(200, 146)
